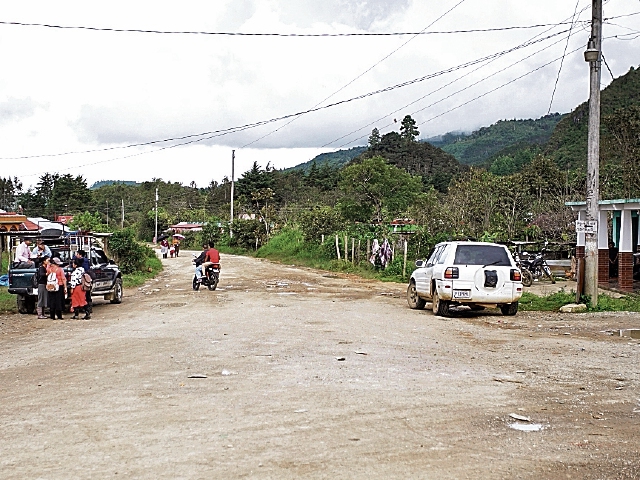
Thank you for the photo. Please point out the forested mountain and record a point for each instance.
(103, 183)
(435, 166)
(333, 159)
(478, 147)
(568, 144)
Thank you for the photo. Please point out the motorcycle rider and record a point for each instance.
(200, 260)
(212, 256)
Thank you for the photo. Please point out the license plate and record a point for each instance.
(462, 294)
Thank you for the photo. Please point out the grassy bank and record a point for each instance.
(152, 267)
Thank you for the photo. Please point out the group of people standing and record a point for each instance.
(51, 279)
(166, 249)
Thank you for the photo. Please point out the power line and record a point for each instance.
(448, 84)
(217, 133)
(274, 34)
(360, 75)
(531, 40)
(566, 45)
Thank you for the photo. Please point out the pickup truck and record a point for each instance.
(107, 283)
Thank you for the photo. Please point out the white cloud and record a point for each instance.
(75, 90)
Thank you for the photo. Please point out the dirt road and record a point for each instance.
(313, 375)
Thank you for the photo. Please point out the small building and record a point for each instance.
(183, 227)
(623, 215)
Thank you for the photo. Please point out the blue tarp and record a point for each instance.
(4, 280)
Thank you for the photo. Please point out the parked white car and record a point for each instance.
(476, 274)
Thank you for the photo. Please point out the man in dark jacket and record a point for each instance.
(200, 260)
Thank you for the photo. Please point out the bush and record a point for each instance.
(319, 221)
(130, 254)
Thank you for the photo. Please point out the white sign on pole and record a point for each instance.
(589, 226)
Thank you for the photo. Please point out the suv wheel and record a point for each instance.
(414, 301)
(509, 309)
(440, 307)
(117, 291)
(26, 303)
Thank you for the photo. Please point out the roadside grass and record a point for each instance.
(152, 267)
(553, 302)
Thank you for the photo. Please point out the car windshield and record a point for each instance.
(481, 255)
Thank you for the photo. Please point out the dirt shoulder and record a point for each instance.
(317, 375)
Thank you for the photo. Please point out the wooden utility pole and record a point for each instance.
(233, 162)
(593, 55)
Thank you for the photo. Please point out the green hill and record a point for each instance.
(568, 144)
(333, 159)
(481, 145)
(103, 183)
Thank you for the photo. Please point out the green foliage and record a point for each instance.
(553, 302)
(211, 231)
(10, 190)
(408, 130)
(568, 144)
(434, 166)
(129, 253)
(374, 189)
(247, 234)
(88, 222)
(151, 267)
(486, 142)
(319, 221)
(336, 160)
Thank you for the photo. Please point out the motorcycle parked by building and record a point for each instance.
(534, 267)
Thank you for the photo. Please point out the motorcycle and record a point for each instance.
(534, 267)
(210, 278)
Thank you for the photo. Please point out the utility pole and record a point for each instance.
(122, 222)
(593, 56)
(107, 213)
(155, 239)
(233, 160)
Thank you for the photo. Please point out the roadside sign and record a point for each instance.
(586, 226)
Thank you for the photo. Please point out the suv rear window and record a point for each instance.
(481, 255)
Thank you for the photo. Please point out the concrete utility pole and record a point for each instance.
(233, 160)
(593, 55)
(155, 239)
(122, 222)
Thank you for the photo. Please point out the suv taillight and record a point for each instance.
(451, 272)
(515, 275)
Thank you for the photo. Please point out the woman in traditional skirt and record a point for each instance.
(78, 296)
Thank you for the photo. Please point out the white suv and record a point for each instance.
(476, 274)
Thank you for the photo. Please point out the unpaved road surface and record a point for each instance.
(313, 375)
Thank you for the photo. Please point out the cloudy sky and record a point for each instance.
(102, 103)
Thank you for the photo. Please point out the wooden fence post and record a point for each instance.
(353, 248)
(359, 250)
(368, 249)
(346, 251)
(404, 263)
